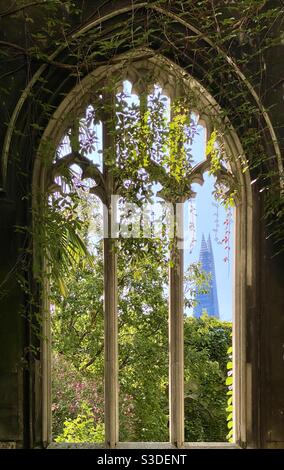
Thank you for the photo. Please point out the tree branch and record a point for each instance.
(12, 72)
(91, 361)
(13, 46)
(12, 11)
(45, 60)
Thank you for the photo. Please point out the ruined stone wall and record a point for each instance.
(20, 398)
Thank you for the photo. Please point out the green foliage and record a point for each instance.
(82, 428)
(58, 237)
(150, 149)
(143, 353)
(143, 346)
(230, 384)
(206, 343)
(73, 391)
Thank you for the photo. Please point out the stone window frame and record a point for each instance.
(208, 111)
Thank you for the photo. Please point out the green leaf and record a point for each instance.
(229, 380)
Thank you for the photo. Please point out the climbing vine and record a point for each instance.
(45, 41)
(240, 31)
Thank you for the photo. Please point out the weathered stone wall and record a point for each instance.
(19, 370)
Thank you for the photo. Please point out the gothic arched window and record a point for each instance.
(125, 134)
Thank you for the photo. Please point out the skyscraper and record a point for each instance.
(207, 302)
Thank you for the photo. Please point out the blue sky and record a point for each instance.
(205, 223)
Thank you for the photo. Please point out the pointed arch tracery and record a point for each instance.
(74, 116)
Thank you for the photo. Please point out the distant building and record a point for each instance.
(207, 302)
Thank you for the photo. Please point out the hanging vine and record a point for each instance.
(45, 41)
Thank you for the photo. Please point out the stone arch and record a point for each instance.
(196, 68)
(72, 104)
(248, 248)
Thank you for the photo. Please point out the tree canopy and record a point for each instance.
(78, 347)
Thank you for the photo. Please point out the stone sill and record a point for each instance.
(145, 445)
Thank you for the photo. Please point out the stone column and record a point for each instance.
(110, 295)
(176, 326)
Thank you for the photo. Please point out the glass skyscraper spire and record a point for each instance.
(207, 303)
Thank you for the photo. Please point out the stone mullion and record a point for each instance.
(176, 321)
(110, 293)
(46, 359)
(176, 328)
